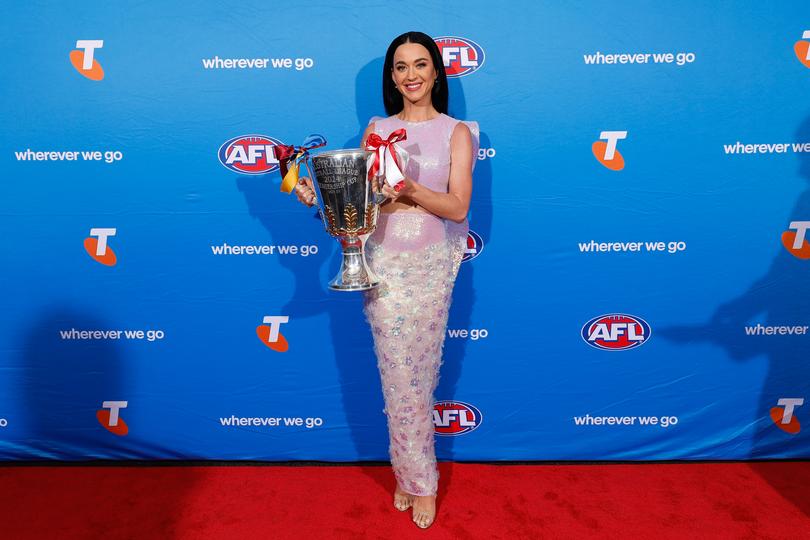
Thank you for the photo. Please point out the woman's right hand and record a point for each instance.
(305, 191)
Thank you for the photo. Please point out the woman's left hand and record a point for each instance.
(390, 193)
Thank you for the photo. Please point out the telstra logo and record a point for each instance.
(98, 248)
(802, 49)
(794, 239)
(109, 417)
(269, 332)
(604, 150)
(783, 417)
(83, 58)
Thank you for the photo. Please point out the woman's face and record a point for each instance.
(413, 73)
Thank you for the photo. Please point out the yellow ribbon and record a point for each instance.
(290, 179)
(289, 166)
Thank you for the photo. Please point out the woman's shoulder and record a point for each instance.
(472, 125)
(474, 133)
(376, 124)
(381, 120)
(455, 125)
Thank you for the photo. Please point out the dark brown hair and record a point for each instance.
(391, 96)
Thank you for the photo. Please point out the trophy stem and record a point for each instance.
(354, 274)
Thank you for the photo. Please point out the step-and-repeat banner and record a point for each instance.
(637, 276)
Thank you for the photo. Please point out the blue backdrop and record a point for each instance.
(637, 283)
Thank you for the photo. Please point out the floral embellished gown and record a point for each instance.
(417, 256)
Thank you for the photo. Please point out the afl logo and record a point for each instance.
(616, 332)
(461, 56)
(473, 246)
(249, 154)
(455, 418)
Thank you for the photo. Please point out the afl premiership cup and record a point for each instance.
(349, 207)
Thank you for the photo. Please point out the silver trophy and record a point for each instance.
(349, 208)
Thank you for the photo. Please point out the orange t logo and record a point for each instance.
(109, 418)
(783, 417)
(98, 249)
(270, 335)
(795, 242)
(606, 153)
(83, 59)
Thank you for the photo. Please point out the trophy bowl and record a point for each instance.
(349, 207)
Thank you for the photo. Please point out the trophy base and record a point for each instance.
(354, 274)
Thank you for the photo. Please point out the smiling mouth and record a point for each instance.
(413, 86)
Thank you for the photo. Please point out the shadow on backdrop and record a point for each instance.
(464, 296)
(350, 337)
(62, 386)
(779, 298)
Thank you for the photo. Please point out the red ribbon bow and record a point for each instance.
(380, 145)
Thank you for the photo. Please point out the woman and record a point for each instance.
(416, 251)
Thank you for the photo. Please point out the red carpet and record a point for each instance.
(681, 501)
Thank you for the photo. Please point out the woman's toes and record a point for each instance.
(422, 520)
(424, 511)
(402, 500)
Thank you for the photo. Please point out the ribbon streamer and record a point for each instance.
(386, 162)
(290, 157)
